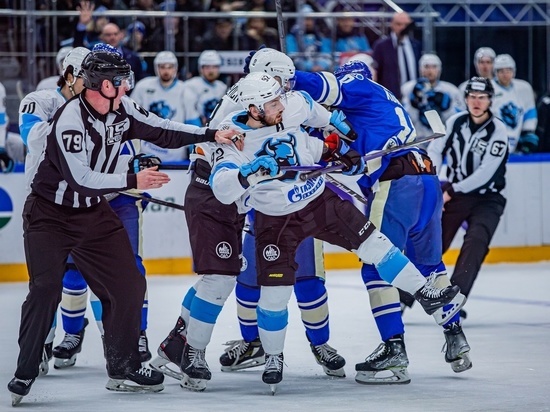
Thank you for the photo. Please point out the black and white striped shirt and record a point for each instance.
(476, 154)
(83, 146)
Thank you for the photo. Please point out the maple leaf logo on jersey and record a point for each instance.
(161, 109)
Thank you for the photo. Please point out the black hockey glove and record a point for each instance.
(6, 163)
(439, 101)
(142, 161)
(337, 150)
(339, 124)
(248, 59)
(417, 95)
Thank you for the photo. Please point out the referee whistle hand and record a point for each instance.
(151, 178)
(230, 136)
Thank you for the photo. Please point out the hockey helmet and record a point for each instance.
(74, 59)
(504, 61)
(100, 65)
(61, 54)
(353, 66)
(165, 57)
(429, 59)
(484, 52)
(106, 48)
(257, 89)
(274, 63)
(210, 58)
(479, 84)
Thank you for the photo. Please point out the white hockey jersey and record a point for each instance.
(515, 106)
(203, 97)
(288, 143)
(168, 103)
(47, 83)
(3, 117)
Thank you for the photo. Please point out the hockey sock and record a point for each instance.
(273, 317)
(97, 309)
(73, 300)
(247, 302)
(312, 298)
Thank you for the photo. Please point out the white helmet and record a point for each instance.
(504, 61)
(362, 57)
(75, 58)
(165, 57)
(484, 52)
(210, 58)
(429, 59)
(61, 54)
(274, 63)
(257, 89)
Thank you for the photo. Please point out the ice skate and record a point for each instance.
(443, 314)
(456, 348)
(242, 355)
(328, 358)
(47, 355)
(143, 343)
(65, 353)
(170, 352)
(432, 298)
(195, 369)
(273, 372)
(388, 357)
(19, 388)
(142, 380)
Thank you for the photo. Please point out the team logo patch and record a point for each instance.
(244, 263)
(223, 250)
(271, 253)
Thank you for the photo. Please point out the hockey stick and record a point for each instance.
(280, 25)
(331, 180)
(163, 166)
(154, 200)
(435, 123)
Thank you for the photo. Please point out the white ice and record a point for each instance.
(508, 328)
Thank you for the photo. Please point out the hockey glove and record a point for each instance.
(439, 101)
(337, 150)
(340, 125)
(6, 163)
(260, 169)
(143, 161)
(417, 95)
(248, 59)
(528, 143)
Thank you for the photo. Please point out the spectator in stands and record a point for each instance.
(256, 32)
(88, 30)
(397, 55)
(349, 38)
(220, 36)
(152, 24)
(543, 127)
(135, 34)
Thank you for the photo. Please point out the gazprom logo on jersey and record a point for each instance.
(6, 208)
(302, 192)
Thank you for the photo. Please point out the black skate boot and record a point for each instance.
(390, 356)
(242, 355)
(144, 352)
(141, 380)
(456, 348)
(273, 372)
(170, 351)
(432, 298)
(18, 389)
(328, 358)
(195, 369)
(47, 355)
(65, 353)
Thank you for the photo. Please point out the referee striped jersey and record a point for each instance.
(476, 154)
(83, 147)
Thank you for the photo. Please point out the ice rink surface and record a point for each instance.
(508, 328)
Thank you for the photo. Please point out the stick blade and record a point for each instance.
(435, 121)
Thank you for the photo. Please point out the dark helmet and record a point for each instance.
(101, 65)
(479, 84)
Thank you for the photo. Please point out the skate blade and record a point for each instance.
(124, 385)
(16, 399)
(245, 365)
(462, 364)
(442, 316)
(161, 365)
(273, 388)
(400, 376)
(195, 385)
(337, 373)
(60, 363)
(43, 369)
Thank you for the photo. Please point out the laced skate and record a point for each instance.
(273, 372)
(143, 344)
(19, 388)
(432, 298)
(65, 353)
(141, 380)
(170, 352)
(328, 358)
(388, 357)
(242, 355)
(47, 355)
(457, 349)
(195, 369)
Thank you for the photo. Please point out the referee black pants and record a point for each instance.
(102, 252)
(482, 214)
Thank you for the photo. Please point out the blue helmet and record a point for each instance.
(354, 66)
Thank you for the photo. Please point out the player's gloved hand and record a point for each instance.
(340, 125)
(528, 143)
(260, 169)
(142, 161)
(439, 101)
(338, 150)
(6, 163)
(248, 59)
(417, 95)
(509, 115)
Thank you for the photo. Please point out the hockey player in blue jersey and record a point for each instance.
(391, 182)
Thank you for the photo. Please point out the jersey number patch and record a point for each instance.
(72, 142)
(498, 148)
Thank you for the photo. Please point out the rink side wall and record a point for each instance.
(523, 234)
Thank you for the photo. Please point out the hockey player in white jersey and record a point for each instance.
(51, 82)
(288, 210)
(430, 93)
(162, 95)
(484, 59)
(203, 92)
(514, 104)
